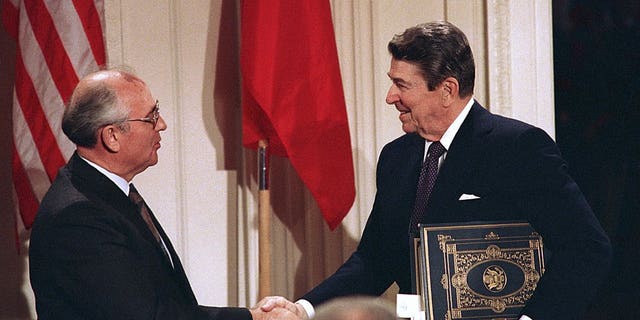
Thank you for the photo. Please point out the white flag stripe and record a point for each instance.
(100, 8)
(72, 35)
(68, 47)
(46, 90)
(27, 152)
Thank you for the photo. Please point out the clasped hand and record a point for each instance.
(275, 307)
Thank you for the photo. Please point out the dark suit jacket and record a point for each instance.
(518, 173)
(92, 256)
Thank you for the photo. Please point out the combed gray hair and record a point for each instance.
(90, 109)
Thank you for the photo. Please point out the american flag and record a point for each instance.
(58, 42)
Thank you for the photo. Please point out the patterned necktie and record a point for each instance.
(136, 198)
(428, 174)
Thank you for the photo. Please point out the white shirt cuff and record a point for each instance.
(523, 317)
(308, 308)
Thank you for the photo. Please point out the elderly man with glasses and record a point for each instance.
(96, 250)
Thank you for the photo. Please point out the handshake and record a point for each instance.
(276, 307)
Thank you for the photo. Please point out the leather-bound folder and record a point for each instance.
(483, 270)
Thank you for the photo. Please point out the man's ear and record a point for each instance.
(450, 90)
(110, 138)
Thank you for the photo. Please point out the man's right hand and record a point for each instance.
(277, 308)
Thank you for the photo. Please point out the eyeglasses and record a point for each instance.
(155, 115)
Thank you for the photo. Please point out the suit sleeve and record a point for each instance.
(555, 206)
(368, 271)
(100, 270)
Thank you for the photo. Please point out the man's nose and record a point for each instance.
(162, 125)
(392, 95)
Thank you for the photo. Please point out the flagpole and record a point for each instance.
(264, 221)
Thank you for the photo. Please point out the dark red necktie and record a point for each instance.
(136, 198)
(428, 174)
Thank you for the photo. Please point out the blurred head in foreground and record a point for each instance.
(356, 308)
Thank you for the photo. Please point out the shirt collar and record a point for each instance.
(450, 133)
(447, 137)
(118, 180)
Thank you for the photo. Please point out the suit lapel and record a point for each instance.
(178, 270)
(415, 157)
(101, 189)
(409, 169)
(456, 169)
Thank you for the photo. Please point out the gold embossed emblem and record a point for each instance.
(498, 305)
(493, 251)
(494, 278)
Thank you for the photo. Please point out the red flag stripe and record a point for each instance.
(27, 153)
(38, 124)
(27, 202)
(55, 55)
(91, 22)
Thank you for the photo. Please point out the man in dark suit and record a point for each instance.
(493, 168)
(96, 254)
